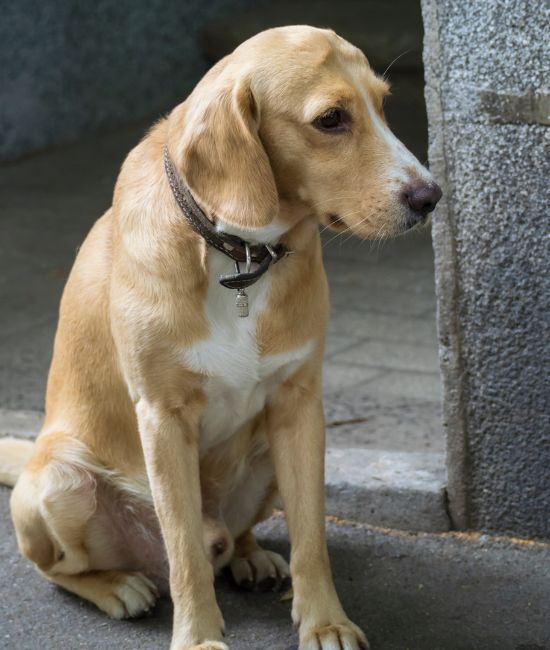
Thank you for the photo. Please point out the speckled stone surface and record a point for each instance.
(491, 239)
(69, 68)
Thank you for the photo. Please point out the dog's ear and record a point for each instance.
(222, 158)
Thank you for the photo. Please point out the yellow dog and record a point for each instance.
(177, 406)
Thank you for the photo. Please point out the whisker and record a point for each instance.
(335, 198)
(396, 59)
(349, 228)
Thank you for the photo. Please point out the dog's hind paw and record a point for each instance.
(126, 595)
(260, 570)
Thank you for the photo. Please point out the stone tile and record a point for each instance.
(337, 376)
(405, 385)
(387, 488)
(397, 356)
(336, 343)
(356, 418)
(357, 274)
(372, 325)
(378, 299)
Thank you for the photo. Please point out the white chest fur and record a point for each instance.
(239, 379)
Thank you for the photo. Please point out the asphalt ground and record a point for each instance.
(408, 591)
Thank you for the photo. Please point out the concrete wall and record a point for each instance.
(69, 67)
(487, 72)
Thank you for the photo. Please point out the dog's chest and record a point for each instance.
(239, 379)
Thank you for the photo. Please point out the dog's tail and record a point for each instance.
(14, 455)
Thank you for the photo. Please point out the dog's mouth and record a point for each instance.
(415, 221)
(402, 223)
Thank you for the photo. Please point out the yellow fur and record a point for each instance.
(14, 455)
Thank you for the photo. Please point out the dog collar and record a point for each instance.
(241, 252)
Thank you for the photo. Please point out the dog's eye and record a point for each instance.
(335, 119)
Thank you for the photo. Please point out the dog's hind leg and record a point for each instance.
(120, 594)
(253, 567)
(52, 505)
(50, 509)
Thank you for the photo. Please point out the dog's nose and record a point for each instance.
(423, 198)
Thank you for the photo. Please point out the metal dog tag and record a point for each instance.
(241, 302)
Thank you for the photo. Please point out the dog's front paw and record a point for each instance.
(260, 570)
(205, 645)
(201, 629)
(338, 636)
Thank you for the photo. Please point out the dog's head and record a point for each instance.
(292, 125)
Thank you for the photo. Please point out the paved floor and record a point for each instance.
(381, 374)
(410, 592)
(381, 369)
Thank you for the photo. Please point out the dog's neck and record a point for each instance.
(236, 248)
(291, 213)
(270, 234)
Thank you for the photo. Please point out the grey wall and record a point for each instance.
(69, 67)
(487, 72)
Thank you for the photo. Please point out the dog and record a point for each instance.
(179, 407)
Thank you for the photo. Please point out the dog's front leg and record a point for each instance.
(170, 445)
(297, 440)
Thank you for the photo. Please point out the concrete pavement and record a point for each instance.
(409, 591)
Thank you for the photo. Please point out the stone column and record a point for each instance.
(487, 68)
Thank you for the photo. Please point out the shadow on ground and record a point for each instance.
(410, 592)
